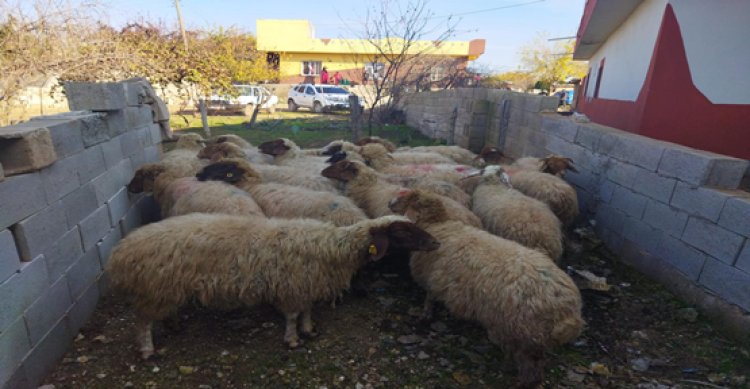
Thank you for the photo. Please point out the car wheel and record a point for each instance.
(317, 107)
(292, 106)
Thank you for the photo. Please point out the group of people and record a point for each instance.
(326, 79)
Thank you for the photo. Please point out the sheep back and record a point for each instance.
(551, 190)
(215, 197)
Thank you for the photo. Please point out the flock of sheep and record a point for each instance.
(289, 226)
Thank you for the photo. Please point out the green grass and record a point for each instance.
(304, 128)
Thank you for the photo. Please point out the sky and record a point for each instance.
(506, 25)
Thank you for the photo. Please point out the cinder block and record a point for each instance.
(96, 96)
(61, 178)
(14, 344)
(140, 116)
(621, 173)
(629, 202)
(117, 123)
(20, 290)
(152, 154)
(37, 232)
(118, 205)
(643, 235)
(588, 135)
(562, 147)
(17, 381)
(610, 218)
(82, 309)
(112, 151)
(138, 158)
(736, 215)
(131, 221)
(131, 143)
(79, 204)
(654, 186)
(94, 129)
(606, 190)
(83, 273)
(722, 244)
(94, 227)
(47, 310)
(124, 170)
(560, 127)
(583, 179)
(666, 218)
(25, 147)
(743, 261)
(699, 167)
(63, 253)
(634, 149)
(155, 132)
(90, 164)
(704, 202)
(106, 185)
(48, 353)
(9, 260)
(681, 256)
(614, 241)
(20, 197)
(728, 282)
(65, 132)
(135, 91)
(105, 246)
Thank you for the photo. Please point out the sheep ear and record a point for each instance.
(408, 236)
(274, 147)
(332, 150)
(378, 243)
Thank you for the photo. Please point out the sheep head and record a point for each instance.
(344, 171)
(339, 156)
(275, 147)
(144, 178)
(419, 206)
(490, 155)
(190, 141)
(332, 148)
(399, 234)
(218, 151)
(388, 145)
(230, 171)
(234, 139)
(375, 154)
(557, 165)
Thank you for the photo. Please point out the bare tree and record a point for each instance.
(400, 38)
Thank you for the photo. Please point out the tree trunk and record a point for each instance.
(204, 117)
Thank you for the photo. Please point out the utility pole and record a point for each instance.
(182, 25)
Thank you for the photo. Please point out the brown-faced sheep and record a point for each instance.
(251, 153)
(183, 161)
(286, 152)
(526, 303)
(512, 215)
(372, 193)
(376, 139)
(279, 200)
(557, 165)
(227, 261)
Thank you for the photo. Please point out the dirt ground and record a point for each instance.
(637, 336)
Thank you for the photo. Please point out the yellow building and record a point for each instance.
(292, 47)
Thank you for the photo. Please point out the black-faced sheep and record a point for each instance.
(279, 200)
(372, 193)
(526, 303)
(512, 215)
(226, 261)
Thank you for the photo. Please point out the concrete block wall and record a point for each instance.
(60, 218)
(673, 212)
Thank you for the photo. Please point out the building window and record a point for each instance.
(311, 68)
(375, 70)
(599, 78)
(437, 73)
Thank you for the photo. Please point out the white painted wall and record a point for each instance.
(717, 42)
(628, 53)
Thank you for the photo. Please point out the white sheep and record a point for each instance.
(279, 200)
(526, 303)
(227, 261)
(456, 153)
(552, 190)
(512, 215)
(251, 152)
(213, 197)
(372, 193)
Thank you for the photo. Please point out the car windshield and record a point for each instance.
(333, 90)
(244, 90)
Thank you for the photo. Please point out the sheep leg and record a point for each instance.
(429, 308)
(290, 335)
(308, 329)
(144, 337)
(530, 367)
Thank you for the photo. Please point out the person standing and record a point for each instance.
(324, 76)
(336, 78)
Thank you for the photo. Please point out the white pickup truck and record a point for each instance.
(318, 98)
(248, 97)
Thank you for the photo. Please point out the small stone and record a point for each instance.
(101, 375)
(79, 338)
(129, 384)
(386, 301)
(82, 359)
(597, 368)
(359, 386)
(186, 370)
(461, 377)
(48, 386)
(439, 326)
(580, 343)
(639, 335)
(281, 372)
(155, 369)
(409, 339)
(640, 364)
(423, 355)
(572, 376)
(717, 378)
(689, 315)
(102, 339)
(268, 324)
